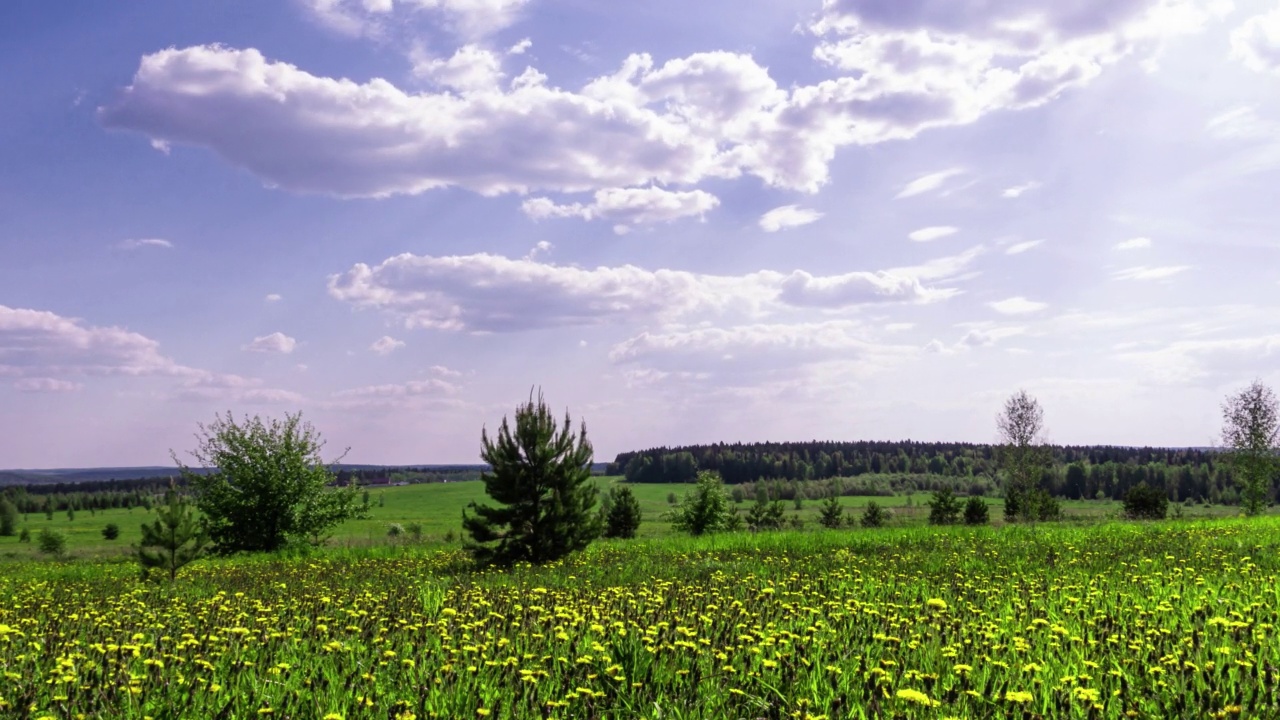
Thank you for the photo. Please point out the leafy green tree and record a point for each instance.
(111, 531)
(1251, 433)
(24, 536)
(874, 516)
(172, 541)
(267, 485)
(52, 542)
(976, 511)
(541, 477)
(1022, 454)
(8, 518)
(766, 515)
(623, 518)
(1145, 503)
(832, 514)
(944, 508)
(705, 509)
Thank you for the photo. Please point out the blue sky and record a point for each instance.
(686, 222)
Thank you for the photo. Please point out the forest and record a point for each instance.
(1077, 472)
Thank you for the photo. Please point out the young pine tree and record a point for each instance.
(541, 478)
(623, 518)
(976, 511)
(944, 508)
(8, 517)
(832, 513)
(172, 541)
(705, 508)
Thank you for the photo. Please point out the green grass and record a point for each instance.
(438, 508)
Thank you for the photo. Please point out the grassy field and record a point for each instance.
(1113, 620)
(438, 508)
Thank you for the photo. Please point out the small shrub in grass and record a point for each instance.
(832, 513)
(414, 531)
(111, 531)
(976, 512)
(395, 530)
(1144, 502)
(52, 542)
(24, 536)
(944, 508)
(874, 516)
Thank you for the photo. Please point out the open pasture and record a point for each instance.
(1105, 621)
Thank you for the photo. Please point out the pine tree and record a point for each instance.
(976, 511)
(172, 541)
(832, 513)
(8, 517)
(705, 508)
(541, 478)
(944, 508)
(623, 518)
(766, 515)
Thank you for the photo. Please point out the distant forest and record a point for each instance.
(1077, 472)
(129, 493)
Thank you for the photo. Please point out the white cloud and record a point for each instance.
(927, 183)
(470, 69)
(541, 248)
(1019, 248)
(1142, 272)
(45, 385)
(378, 18)
(1137, 243)
(1018, 190)
(276, 342)
(786, 217)
(443, 371)
(273, 297)
(520, 47)
(1241, 123)
(37, 342)
(704, 116)
(386, 345)
(1206, 361)
(1017, 306)
(491, 293)
(134, 244)
(930, 234)
(636, 206)
(1256, 43)
(432, 386)
(754, 346)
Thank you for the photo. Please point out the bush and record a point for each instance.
(8, 518)
(24, 536)
(705, 509)
(395, 530)
(52, 542)
(832, 513)
(976, 512)
(1144, 502)
(414, 531)
(766, 515)
(874, 516)
(111, 531)
(623, 517)
(944, 508)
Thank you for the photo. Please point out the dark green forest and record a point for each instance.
(1076, 472)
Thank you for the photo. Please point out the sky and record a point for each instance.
(684, 222)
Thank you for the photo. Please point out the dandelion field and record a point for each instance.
(1117, 620)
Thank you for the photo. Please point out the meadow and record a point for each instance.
(437, 508)
(1114, 620)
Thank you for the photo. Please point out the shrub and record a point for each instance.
(705, 509)
(8, 517)
(395, 530)
(944, 508)
(52, 542)
(766, 515)
(172, 541)
(874, 516)
(1144, 502)
(414, 531)
(976, 512)
(832, 513)
(24, 536)
(623, 517)
(111, 531)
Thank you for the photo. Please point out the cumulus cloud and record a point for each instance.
(134, 244)
(491, 293)
(786, 217)
(386, 345)
(1138, 243)
(1256, 43)
(273, 297)
(45, 385)
(927, 183)
(276, 342)
(1017, 306)
(1019, 190)
(634, 206)
(708, 115)
(929, 234)
(1142, 272)
(1019, 248)
(40, 343)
